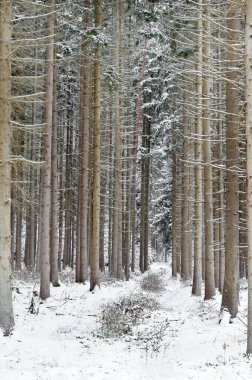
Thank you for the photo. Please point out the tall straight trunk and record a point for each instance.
(54, 187)
(178, 213)
(185, 238)
(127, 212)
(134, 171)
(129, 132)
(102, 222)
(6, 310)
(19, 173)
(82, 264)
(145, 184)
(110, 189)
(27, 237)
(33, 221)
(174, 209)
(61, 195)
(191, 197)
(95, 233)
(243, 235)
(31, 227)
(18, 265)
(133, 200)
(230, 298)
(248, 55)
(207, 156)
(138, 124)
(197, 274)
(13, 218)
(220, 175)
(46, 171)
(117, 226)
(31, 233)
(68, 190)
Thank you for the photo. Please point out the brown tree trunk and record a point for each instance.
(230, 298)
(82, 256)
(145, 184)
(197, 275)
(6, 311)
(208, 177)
(54, 187)
(46, 171)
(185, 238)
(95, 232)
(248, 50)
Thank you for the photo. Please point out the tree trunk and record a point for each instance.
(82, 265)
(46, 171)
(185, 238)
(208, 177)
(197, 275)
(174, 207)
(230, 298)
(220, 175)
(248, 55)
(117, 227)
(68, 188)
(95, 234)
(54, 187)
(6, 311)
(145, 184)
(110, 188)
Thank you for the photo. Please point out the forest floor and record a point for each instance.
(76, 335)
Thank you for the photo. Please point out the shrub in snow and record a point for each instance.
(153, 282)
(119, 318)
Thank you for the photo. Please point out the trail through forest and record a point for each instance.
(180, 337)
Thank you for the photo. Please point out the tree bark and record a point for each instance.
(145, 184)
(117, 227)
(230, 298)
(207, 156)
(248, 56)
(6, 310)
(185, 238)
(82, 264)
(46, 171)
(197, 275)
(54, 186)
(95, 234)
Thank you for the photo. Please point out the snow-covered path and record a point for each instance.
(63, 342)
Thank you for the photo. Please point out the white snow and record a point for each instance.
(62, 341)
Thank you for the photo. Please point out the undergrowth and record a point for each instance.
(120, 317)
(153, 282)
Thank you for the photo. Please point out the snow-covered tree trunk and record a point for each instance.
(6, 311)
(145, 184)
(207, 156)
(82, 262)
(197, 275)
(174, 207)
(54, 187)
(46, 171)
(138, 118)
(230, 298)
(117, 227)
(221, 177)
(185, 237)
(95, 230)
(248, 55)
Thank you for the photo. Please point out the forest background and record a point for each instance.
(126, 124)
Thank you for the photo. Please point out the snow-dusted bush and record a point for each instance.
(119, 318)
(153, 282)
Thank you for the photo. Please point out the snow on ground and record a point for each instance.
(183, 339)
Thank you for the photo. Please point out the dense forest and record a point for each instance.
(125, 140)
